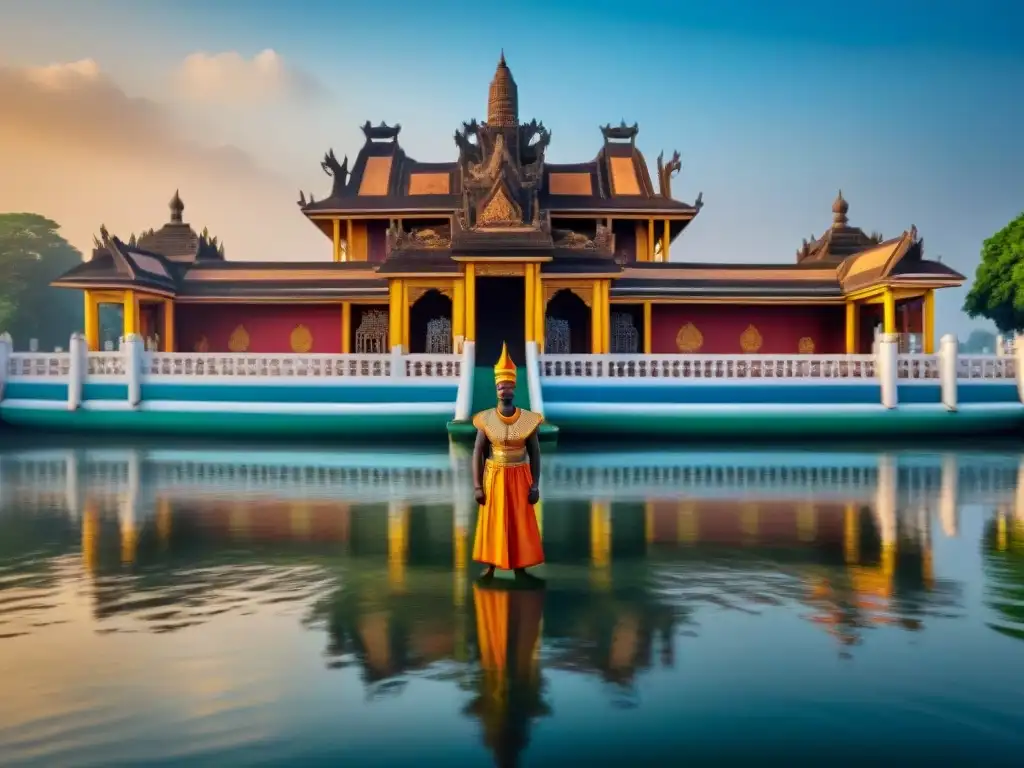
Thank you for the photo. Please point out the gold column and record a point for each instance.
(348, 239)
(337, 239)
(170, 343)
(600, 543)
(928, 324)
(666, 238)
(540, 308)
(346, 327)
(531, 296)
(851, 327)
(92, 322)
(470, 302)
(851, 533)
(131, 313)
(889, 304)
(458, 314)
(606, 316)
(395, 313)
(648, 329)
(596, 320)
(650, 239)
(406, 310)
(398, 544)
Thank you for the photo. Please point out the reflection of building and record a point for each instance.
(1003, 552)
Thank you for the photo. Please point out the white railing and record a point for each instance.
(986, 367)
(39, 364)
(433, 366)
(105, 364)
(200, 365)
(914, 366)
(860, 367)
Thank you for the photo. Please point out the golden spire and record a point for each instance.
(503, 98)
(504, 369)
(839, 210)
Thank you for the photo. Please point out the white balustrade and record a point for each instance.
(986, 368)
(917, 366)
(433, 366)
(684, 366)
(200, 365)
(105, 364)
(49, 365)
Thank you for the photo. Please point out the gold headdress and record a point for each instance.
(504, 369)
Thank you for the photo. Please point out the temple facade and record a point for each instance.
(500, 245)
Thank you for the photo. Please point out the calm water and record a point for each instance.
(212, 606)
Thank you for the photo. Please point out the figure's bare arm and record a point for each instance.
(533, 451)
(479, 457)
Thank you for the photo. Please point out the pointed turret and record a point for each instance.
(503, 98)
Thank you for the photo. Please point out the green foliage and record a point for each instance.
(32, 254)
(998, 290)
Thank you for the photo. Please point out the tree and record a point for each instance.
(32, 254)
(998, 290)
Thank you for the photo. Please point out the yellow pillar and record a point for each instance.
(395, 313)
(458, 313)
(461, 552)
(406, 335)
(648, 330)
(170, 343)
(540, 308)
(928, 322)
(131, 313)
(531, 296)
(600, 543)
(470, 302)
(337, 239)
(606, 316)
(92, 322)
(348, 239)
(889, 320)
(666, 237)
(596, 320)
(346, 327)
(851, 327)
(650, 239)
(398, 544)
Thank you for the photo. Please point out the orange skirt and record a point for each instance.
(507, 536)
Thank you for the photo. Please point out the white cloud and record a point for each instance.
(230, 78)
(76, 148)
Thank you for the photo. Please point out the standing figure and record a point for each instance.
(506, 476)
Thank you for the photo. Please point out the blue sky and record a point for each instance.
(913, 108)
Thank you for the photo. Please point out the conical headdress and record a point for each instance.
(504, 369)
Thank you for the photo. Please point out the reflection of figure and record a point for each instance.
(506, 481)
(508, 635)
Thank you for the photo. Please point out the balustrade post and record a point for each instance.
(77, 363)
(1018, 353)
(397, 363)
(5, 359)
(133, 351)
(948, 350)
(886, 363)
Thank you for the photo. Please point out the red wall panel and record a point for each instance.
(269, 326)
(721, 325)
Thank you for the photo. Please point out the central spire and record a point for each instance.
(503, 98)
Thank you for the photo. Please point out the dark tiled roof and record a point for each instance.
(419, 261)
(286, 289)
(726, 288)
(568, 262)
(511, 242)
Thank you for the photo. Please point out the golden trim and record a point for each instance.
(640, 298)
(928, 322)
(648, 327)
(500, 259)
(381, 300)
(119, 288)
(202, 275)
(346, 327)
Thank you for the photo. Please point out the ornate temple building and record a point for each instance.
(498, 244)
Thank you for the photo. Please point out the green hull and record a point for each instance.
(229, 424)
(837, 424)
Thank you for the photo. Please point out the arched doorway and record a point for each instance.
(566, 324)
(430, 324)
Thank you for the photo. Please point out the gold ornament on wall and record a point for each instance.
(239, 340)
(202, 345)
(301, 339)
(689, 338)
(750, 340)
(806, 346)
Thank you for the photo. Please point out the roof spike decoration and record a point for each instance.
(666, 172)
(839, 210)
(382, 132)
(621, 132)
(699, 202)
(177, 208)
(503, 97)
(302, 199)
(337, 171)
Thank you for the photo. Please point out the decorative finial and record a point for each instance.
(503, 97)
(177, 208)
(501, 61)
(504, 369)
(839, 210)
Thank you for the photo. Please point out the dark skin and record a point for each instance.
(506, 407)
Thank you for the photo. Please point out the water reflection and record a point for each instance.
(650, 555)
